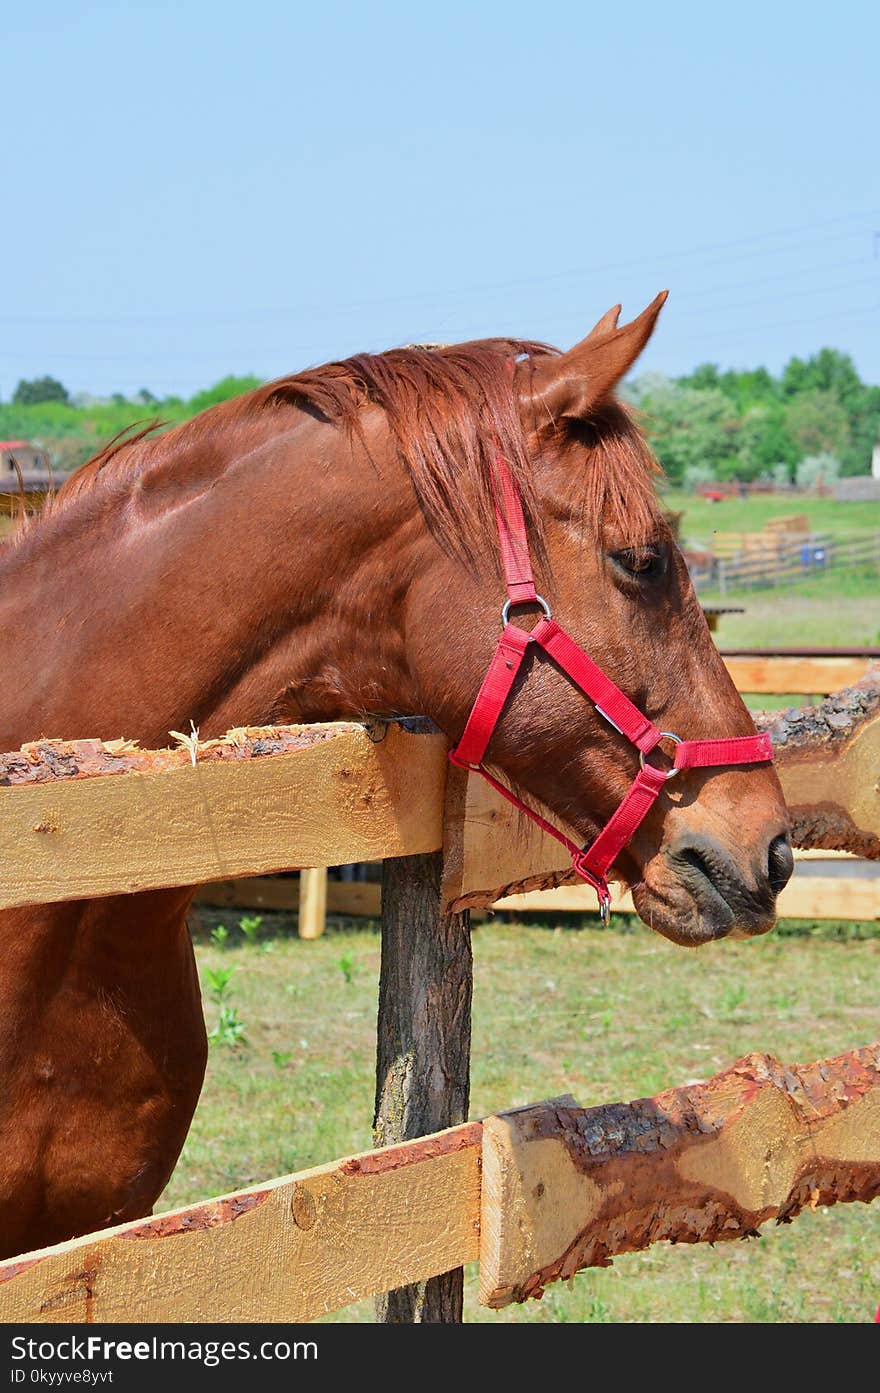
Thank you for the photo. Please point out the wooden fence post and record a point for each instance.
(312, 901)
(424, 1036)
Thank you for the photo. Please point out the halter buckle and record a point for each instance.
(666, 735)
(512, 604)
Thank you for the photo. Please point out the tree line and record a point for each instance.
(73, 428)
(816, 418)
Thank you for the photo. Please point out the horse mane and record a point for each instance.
(122, 441)
(450, 409)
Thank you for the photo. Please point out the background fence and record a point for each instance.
(782, 559)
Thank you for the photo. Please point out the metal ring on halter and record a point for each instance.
(605, 909)
(509, 604)
(667, 735)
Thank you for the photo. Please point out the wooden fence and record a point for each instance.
(535, 1194)
(266, 800)
(748, 561)
(821, 888)
(830, 885)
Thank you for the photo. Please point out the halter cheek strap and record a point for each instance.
(592, 862)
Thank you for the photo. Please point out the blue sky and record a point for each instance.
(197, 188)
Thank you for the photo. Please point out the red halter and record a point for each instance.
(593, 862)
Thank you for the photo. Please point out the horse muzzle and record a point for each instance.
(698, 891)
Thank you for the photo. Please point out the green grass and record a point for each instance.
(603, 1015)
(840, 609)
(702, 518)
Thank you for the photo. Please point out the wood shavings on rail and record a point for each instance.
(45, 761)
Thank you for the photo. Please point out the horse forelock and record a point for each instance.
(451, 411)
(619, 481)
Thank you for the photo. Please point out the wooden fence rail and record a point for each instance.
(783, 674)
(88, 818)
(535, 1195)
(826, 885)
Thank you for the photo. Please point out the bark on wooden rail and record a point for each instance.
(567, 1187)
(829, 763)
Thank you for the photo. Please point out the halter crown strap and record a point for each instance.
(591, 863)
(515, 556)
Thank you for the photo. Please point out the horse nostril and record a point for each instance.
(692, 856)
(730, 893)
(780, 863)
(709, 875)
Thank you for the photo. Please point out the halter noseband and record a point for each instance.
(592, 862)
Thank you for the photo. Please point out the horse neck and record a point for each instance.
(270, 590)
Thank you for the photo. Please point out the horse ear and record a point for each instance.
(606, 323)
(577, 381)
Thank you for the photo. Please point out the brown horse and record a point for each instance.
(325, 547)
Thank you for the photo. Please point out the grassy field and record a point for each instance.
(604, 1015)
(840, 609)
(702, 518)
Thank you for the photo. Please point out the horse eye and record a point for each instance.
(641, 562)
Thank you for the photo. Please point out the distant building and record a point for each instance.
(37, 475)
(862, 488)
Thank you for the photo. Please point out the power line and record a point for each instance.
(660, 259)
(834, 316)
(806, 292)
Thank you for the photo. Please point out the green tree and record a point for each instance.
(40, 389)
(755, 387)
(222, 391)
(817, 422)
(706, 375)
(864, 425)
(692, 431)
(764, 441)
(827, 371)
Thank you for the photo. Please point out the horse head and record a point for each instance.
(710, 857)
